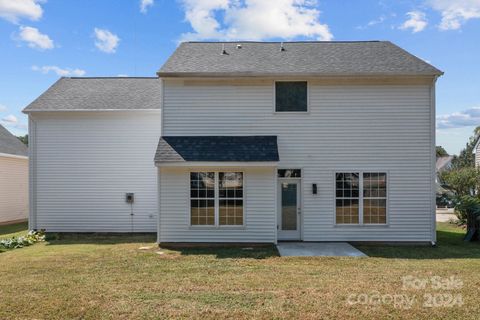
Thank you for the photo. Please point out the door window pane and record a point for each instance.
(289, 206)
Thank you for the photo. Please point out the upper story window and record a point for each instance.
(291, 96)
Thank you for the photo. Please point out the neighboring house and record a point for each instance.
(476, 151)
(442, 164)
(13, 178)
(243, 142)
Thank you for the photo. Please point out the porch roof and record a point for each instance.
(203, 149)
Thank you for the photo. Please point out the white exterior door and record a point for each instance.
(289, 210)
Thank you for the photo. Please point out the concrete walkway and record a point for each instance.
(318, 249)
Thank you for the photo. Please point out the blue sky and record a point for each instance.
(41, 40)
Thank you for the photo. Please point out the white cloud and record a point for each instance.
(455, 13)
(35, 39)
(144, 4)
(3, 108)
(106, 41)
(67, 72)
(13, 10)
(10, 119)
(466, 118)
(417, 21)
(122, 75)
(253, 20)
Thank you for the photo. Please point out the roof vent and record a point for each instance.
(239, 46)
(281, 47)
(223, 49)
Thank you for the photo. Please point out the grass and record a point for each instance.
(109, 277)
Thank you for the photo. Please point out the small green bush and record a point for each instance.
(23, 241)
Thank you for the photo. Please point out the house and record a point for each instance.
(13, 178)
(476, 151)
(243, 142)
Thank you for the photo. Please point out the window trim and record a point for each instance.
(360, 223)
(290, 112)
(217, 224)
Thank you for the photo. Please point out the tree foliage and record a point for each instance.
(466, 158)
(24, 139)
(441, 152)
(464, 181)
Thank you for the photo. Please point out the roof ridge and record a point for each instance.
(299, 41)
(107, 77)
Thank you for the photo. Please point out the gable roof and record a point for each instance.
(443, 163)
(330, 58)
(217, 148)
(9, 144)
(115, 93)
(475, 148)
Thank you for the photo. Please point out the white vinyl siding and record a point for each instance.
(259, 208)
(13, 189)
(348, 128)
(477, 156)
(85, 162)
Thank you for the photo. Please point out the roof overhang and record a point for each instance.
(15, 156)
(476, 146)
(217, 164)
(217, 151)
(302, 75)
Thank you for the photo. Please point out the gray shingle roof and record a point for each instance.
(299, 58)
(69, 94)
(10, 144)
(217, 148)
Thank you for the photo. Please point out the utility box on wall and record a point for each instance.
(129, 197)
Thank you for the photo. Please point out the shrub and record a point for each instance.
(23, 241)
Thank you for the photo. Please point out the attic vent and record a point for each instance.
(239, 46)
(223, 49)
(281, 47)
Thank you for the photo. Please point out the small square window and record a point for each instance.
(291, 96)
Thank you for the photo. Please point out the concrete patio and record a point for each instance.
(318, 249)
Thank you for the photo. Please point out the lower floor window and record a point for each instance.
(216, 198)
(360, 197)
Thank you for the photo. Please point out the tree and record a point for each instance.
(463, 181)
(441, 152)
(466, 158)
(469, 207)
(24, 139)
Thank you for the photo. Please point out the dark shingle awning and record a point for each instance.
(217, 149)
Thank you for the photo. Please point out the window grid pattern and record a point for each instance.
(374, 198)
(230, 189)
(347, 198)
(202, 198)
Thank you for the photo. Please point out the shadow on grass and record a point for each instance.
(450, 245)
(230, 252)
(13, 228)
(99, 238)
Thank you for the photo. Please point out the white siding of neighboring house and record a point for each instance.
(348, 128)
(477, 156)
(85, 162)
(259, 209)
(13, 189)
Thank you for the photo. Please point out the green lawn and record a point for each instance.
(100, 277)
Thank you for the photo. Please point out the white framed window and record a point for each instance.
(291, 96)
(360, 198)
(217, 198)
